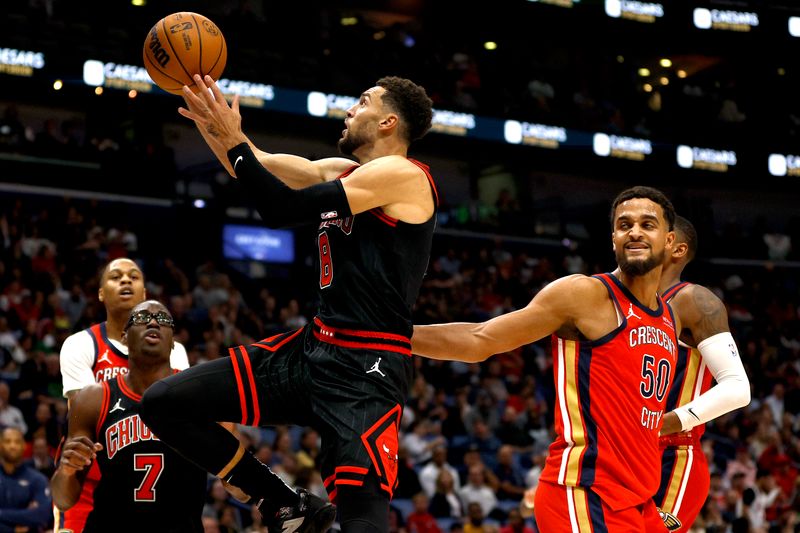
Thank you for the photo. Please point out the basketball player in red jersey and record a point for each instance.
(144, 484)
(706, 351)
(614, 348)
(97, 354)
(347, 373)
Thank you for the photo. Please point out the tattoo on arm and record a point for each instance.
(712, 316)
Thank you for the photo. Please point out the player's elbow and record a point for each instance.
(742, 395)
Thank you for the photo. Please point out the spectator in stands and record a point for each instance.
(429, 473)
(515, 523)
(476, 491)
(10, 416)
(42, 458)
(475, 520)
(445, 502)
(421, 520)
(25, 502)
(512, 482)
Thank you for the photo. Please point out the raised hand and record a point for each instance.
(212, 114)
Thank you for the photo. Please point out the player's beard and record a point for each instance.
(638, 267)
(351, 142)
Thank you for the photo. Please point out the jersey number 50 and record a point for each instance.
(654, 379)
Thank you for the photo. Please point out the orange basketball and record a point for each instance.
(182, 45)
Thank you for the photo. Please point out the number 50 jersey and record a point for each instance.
(611, 396)
(145, 485)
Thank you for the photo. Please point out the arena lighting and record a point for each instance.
(139, 3)
(794, 26)
(647, 88)
(132, 93)
(58, 84)
(663, 80)
(530, 134)
(634, 10)
(199, 203)
(705, 158)
(681, 73)
(666, 62)
(783, 165)
(644, 72)
(623, 147)
(98, 91)
(20, 62)
(719, 19)
(490, 45)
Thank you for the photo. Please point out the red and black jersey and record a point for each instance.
(371, 268)
(145, 485)
(109, 361)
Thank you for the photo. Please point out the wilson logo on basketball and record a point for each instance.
(183, 26)
(159, 54)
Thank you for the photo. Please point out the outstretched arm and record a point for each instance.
(704, 314)
(475, 342)
(80, 448)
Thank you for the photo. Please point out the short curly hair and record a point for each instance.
(656, 196)
(411, 102)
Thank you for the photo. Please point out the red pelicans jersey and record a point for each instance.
(611, 397)
(692, 378)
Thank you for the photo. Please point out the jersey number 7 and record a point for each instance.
(153, 465)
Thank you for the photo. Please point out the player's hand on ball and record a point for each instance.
(211, 112)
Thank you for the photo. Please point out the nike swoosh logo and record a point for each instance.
(292, 525)
(692, 413)
(237, 162)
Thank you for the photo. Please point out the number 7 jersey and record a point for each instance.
(610, 402)
(145, 485)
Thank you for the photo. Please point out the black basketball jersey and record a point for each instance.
(371, 267)
(145, 485)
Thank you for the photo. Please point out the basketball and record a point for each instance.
(182, 45)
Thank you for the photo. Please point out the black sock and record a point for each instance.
(258, 481)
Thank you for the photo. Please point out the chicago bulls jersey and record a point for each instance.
(692, 377)
(371, 267)
(611, 397)
(144, 483)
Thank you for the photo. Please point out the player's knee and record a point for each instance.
(363, 509)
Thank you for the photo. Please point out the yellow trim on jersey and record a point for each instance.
(582, 510)
(676, 479)
(690, 381)
(233, 462)
(575, 415)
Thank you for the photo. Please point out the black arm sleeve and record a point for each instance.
(278, 204)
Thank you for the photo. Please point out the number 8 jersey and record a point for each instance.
(145, 485)
(371, 267)
(610, 399)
